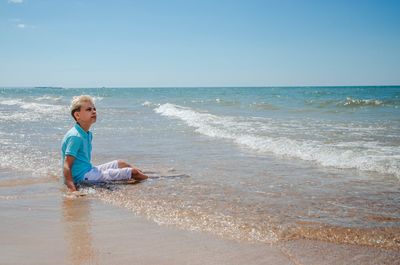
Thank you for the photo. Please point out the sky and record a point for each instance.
(166, 43)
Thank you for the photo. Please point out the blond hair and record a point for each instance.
(77, 101)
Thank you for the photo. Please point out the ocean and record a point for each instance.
(263, 164)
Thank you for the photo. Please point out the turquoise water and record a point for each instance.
(265, 164)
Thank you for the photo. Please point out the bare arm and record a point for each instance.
(69, 160)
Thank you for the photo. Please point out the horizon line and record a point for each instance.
(230, 86)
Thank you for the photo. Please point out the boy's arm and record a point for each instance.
(69, 160)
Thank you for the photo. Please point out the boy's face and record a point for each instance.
(87, 114)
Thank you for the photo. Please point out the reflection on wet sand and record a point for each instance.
(77, 223)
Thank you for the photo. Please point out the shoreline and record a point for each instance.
(50, 229)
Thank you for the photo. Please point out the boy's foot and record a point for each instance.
(138, 175)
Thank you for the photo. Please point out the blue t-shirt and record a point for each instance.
(78, 143)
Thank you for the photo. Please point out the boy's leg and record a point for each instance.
(109, 172)
(122, 164)
(137, 174)
(117, 174)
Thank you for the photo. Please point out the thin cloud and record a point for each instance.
(15, 1)
(25, 26)
(19, 23)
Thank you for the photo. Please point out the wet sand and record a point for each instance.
(47, 228)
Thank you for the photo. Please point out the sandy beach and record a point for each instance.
(49, 228)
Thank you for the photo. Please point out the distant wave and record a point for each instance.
(31, 111)
(350, 102)
(372, 157)
(48, 87)
(97, 98)
(149, 104)
(263, 105)
(48, 98)
(227, 102)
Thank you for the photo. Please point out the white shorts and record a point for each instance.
(108, 172)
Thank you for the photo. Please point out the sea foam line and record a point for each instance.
(340, 154)
(32, 111)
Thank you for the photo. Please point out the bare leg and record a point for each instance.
(137, 174)
(122, 164)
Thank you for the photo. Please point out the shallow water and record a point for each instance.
(265, 164)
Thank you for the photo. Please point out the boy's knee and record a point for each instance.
(122, 164)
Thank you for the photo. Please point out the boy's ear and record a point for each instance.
(76, 115)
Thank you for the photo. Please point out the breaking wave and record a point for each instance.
(361, 155)
(18, 109)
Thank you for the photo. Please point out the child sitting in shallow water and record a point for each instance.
(77, 147)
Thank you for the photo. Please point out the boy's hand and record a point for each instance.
(70, 185)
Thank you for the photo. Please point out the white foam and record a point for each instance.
(11, 102)
(149, 104)
(41, 108)
(24, 158)
(31, 111)
(98, 98)
(283, 139)
(48, 98)
(361, 102)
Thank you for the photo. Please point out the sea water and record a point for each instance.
(250, 163)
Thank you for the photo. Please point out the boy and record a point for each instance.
(77, 147)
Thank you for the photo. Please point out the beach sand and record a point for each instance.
(48, 228)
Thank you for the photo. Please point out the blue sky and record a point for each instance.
(199, 43)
